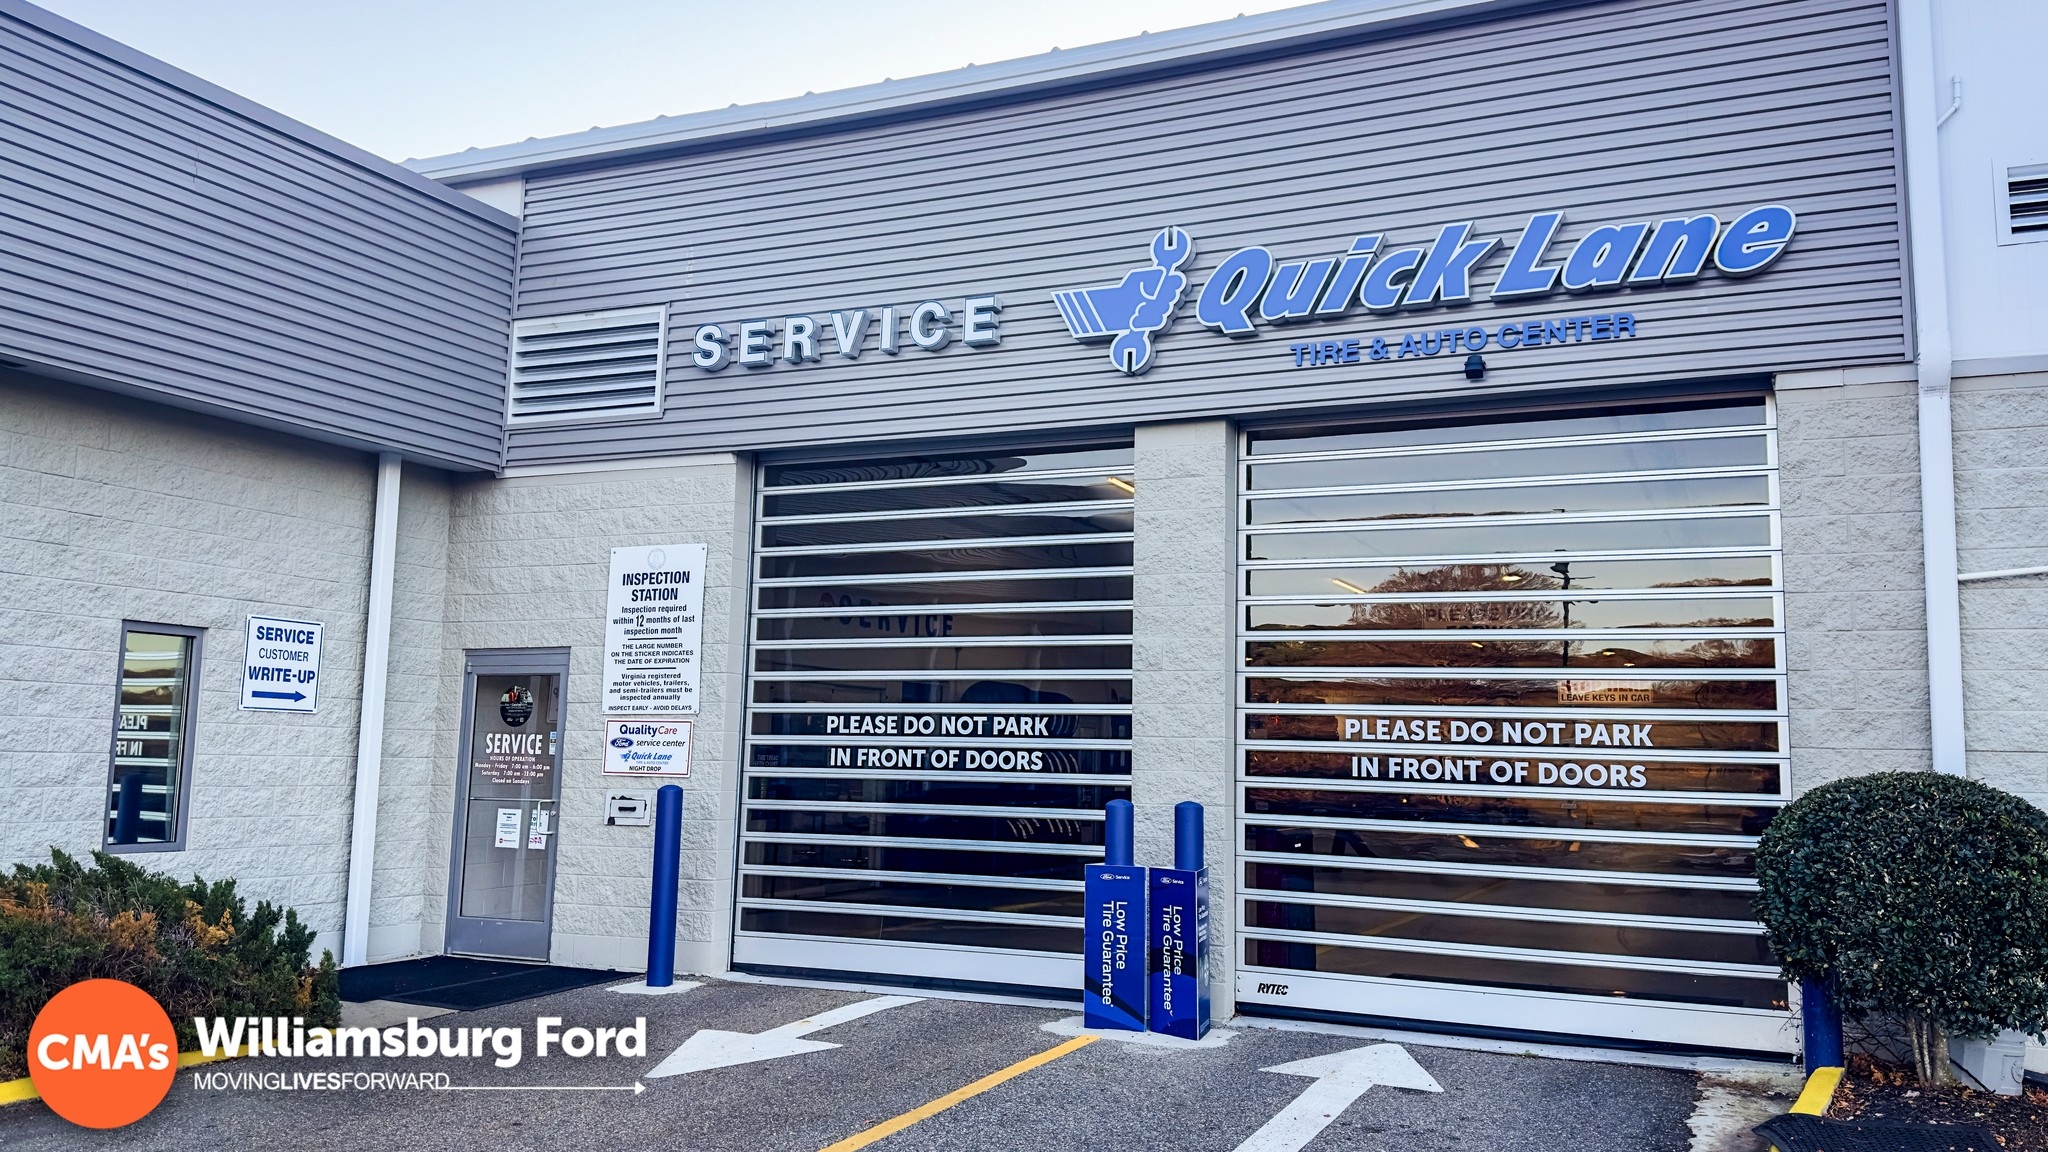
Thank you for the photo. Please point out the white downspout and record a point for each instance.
(362, 847)
(1937, 442)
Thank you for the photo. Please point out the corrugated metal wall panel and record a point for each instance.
(171, 246)
(1628, 109)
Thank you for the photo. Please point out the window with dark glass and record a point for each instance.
(150, 764)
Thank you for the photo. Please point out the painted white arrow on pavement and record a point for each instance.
(1340, 1078)
(712, 1048)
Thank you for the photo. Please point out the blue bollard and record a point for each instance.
(1177, 937)
(1187, 836)
(1118, 839)
(1113, 933)
(128, 812)
(1820, 1024)
(661, 918)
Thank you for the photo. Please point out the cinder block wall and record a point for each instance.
(1183, 659)
(528, 562)
(1855, 605)
(2001, 436)
(113, 509)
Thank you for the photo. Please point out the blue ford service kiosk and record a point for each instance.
(1147, 940)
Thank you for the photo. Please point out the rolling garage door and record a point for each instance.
(1513, 718)
(939, 707)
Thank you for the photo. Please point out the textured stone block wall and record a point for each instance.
(528, 562)
(1183, 661)
(112, 509)
(1855, 605)
(2001, 430)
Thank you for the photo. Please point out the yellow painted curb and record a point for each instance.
(1818, 1093)
(15, 1091)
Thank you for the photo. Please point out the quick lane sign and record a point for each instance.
(281, 665)
(1255, 288)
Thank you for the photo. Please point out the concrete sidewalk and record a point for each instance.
(891, 1059)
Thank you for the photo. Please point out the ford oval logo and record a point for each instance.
(622, 741)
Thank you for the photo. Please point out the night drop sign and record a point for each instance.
(281, 665)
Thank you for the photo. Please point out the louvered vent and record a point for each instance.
(2024, 203)
(588, 366)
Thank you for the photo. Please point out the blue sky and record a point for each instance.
(406, 78)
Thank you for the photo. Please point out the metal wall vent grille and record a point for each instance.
(2023, 208)
(589, 366)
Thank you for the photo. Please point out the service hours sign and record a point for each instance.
(654, 629)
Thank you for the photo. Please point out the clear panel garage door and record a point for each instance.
(939, 707)
(1513, 718)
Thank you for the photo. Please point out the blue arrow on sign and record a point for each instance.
(293, 695)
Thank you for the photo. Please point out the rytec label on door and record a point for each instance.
(1113, 948)
(1177, 953)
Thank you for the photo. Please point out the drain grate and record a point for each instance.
(1812, 1134)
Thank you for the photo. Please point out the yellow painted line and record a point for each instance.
(15, 1091)
(1819, 1092)
(889, 1128)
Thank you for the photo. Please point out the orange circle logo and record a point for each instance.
(102, 1053)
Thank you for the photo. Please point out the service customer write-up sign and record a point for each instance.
(654, 629)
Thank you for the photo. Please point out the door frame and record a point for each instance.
(489, 662)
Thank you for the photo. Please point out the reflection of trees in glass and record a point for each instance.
(1459, 578)
(1467, 578)
(1707, 653)
(1714, 582)
(1760, 695)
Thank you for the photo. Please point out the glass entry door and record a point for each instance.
(1513, 707)
(502, 880)
(939, 706)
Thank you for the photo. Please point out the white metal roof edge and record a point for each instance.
(1060, 66)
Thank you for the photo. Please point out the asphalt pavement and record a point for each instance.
(895, 1062)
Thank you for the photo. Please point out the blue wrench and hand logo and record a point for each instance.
(1136, 308)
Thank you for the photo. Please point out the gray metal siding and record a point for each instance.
(1633, 109)
(173, 247)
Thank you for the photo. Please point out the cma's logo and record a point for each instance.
(1134, 309)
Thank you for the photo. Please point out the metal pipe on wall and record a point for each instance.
(362, 845)
(1934, 363)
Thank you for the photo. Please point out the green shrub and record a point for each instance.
(1922, 895)
(195, 947)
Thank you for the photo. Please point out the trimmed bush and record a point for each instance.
(195, 947)
(1921, 895)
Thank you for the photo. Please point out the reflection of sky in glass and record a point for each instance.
(1388, 434)
(1495, 463)
(1481, 540)
(1613, 496)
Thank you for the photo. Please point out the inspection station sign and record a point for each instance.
(281, 665)
(654, 629)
